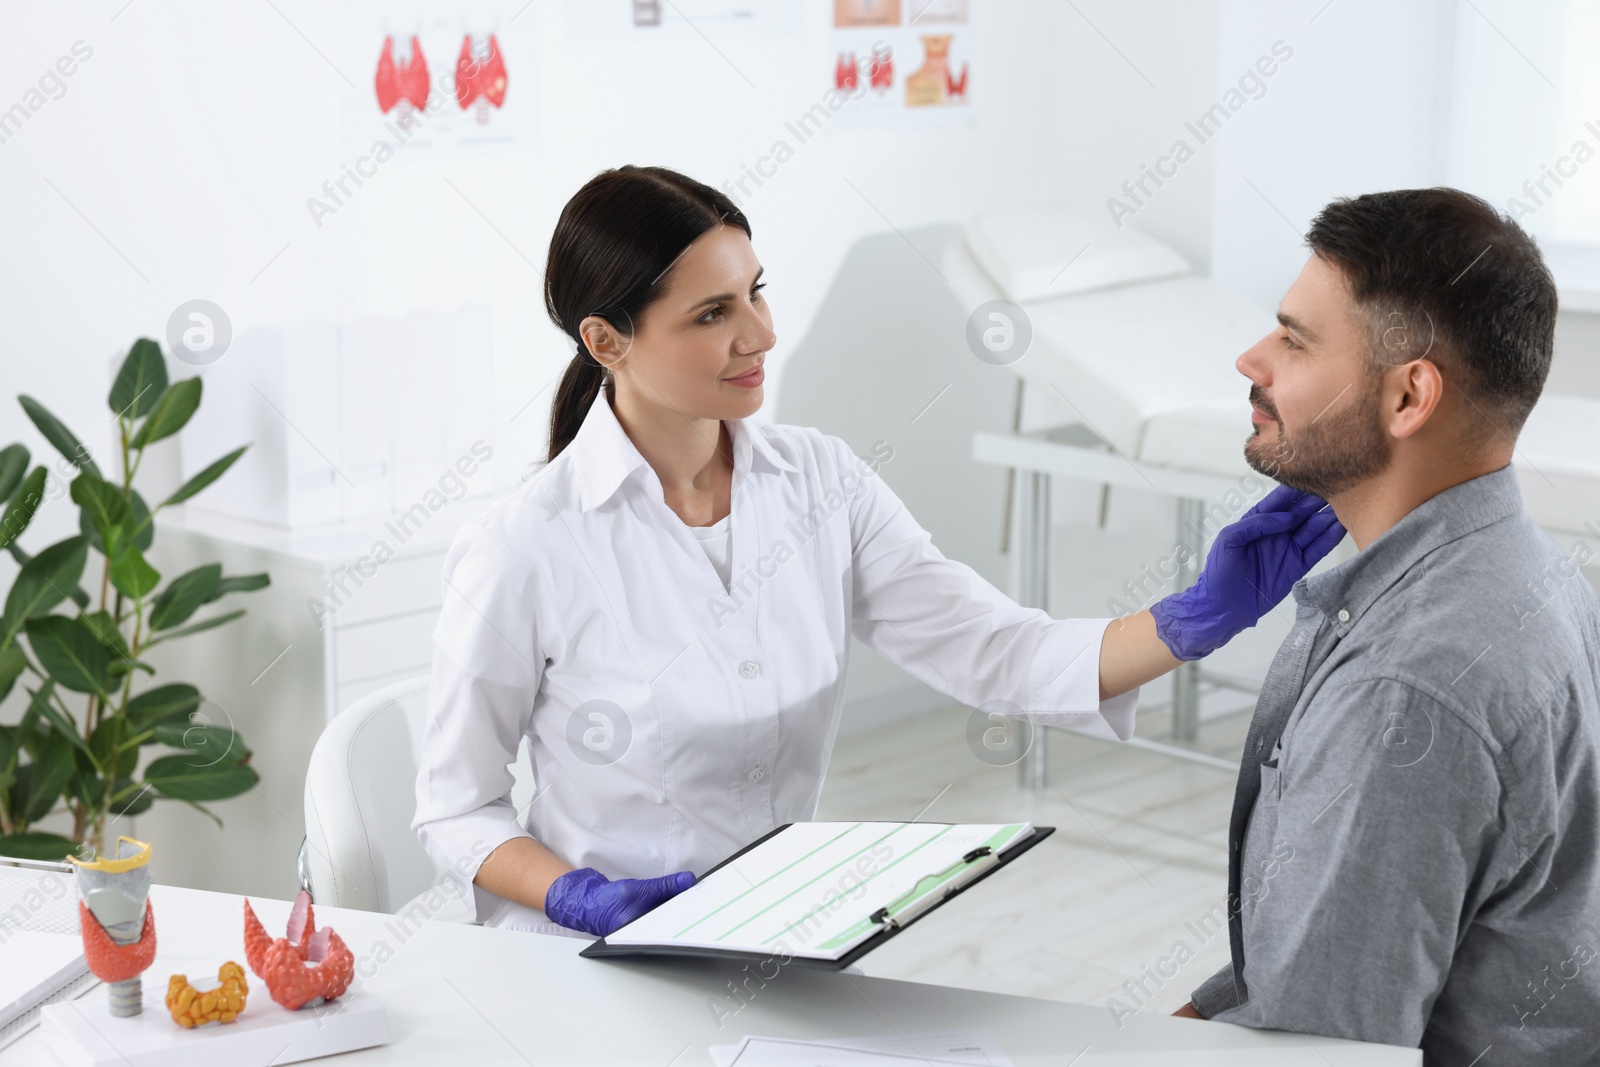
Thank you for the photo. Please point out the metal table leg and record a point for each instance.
(1077, 452)
(1186, 679)
(1033, 562)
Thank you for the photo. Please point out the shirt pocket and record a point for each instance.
(1272, 775)
(1257, 869)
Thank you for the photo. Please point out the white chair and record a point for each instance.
(360, 797)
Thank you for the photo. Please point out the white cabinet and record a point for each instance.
(334, 624)
(345, 420)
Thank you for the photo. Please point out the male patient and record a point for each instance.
(1414, 849)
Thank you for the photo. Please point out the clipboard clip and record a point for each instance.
(892, 922)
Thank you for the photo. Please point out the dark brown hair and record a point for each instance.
(615, 242)
(1460, 278)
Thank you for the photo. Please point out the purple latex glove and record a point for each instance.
(1251, 566)
(587, 900)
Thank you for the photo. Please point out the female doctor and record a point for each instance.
(664, 610)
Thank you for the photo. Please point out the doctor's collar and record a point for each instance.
(604, 456)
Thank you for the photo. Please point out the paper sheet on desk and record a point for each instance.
(36, 965)
(978, 1047)
(951, 1047)
(1321, 1054)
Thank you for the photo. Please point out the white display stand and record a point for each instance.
(84, 1033)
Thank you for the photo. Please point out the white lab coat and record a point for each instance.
(672, 721)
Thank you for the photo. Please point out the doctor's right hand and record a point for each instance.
(587, 900)
(1252, 565)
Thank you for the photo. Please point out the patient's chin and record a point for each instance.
(1322, 464)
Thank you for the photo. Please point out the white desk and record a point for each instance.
(465, 994)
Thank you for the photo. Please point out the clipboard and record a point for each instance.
(891, 924)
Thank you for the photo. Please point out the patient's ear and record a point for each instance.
(1411, 394)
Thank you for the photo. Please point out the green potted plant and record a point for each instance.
(66, 650)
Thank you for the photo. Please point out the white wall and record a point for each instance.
(1373, 99)
(179, 161)
(1359, 107)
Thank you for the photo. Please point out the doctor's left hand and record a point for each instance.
(587, 900)
(1252, 565)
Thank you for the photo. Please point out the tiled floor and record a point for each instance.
(1138, 858)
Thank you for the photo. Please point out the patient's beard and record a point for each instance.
(1333, 453)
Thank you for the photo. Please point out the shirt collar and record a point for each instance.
(603, 455)
(1346, 591)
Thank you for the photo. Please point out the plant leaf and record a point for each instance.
(134, 803)
(103, 503)
(176, 777)
(141, 530)
(101, 743)
(54, 431)
(13, 465)
(105, 628)
(183, 595)
(86, 786)
(12, 661)
(14, 740)
(131, 574)
(24, 501)
(8, 751)
(42, 583)
(171, 411)
(63, 726)
(40, 784)
(176, 700)
(240, 583)
(204, 478)
(8, 748)
(37, 846)
(70, 653)
(204, 743)
(140, 382)
(202, 625)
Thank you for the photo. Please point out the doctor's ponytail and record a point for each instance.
(613, 246)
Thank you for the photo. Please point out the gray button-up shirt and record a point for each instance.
(1415, 843)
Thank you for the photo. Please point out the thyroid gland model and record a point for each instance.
(117, 922)
(307, 964)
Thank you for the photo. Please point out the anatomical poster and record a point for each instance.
(866, 13)
(681, 20)
(899, 62)
(431, 76)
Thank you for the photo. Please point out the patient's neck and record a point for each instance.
(1370, 508)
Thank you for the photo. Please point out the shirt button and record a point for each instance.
(1344, 616)
(757, 774)
(750, 668)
